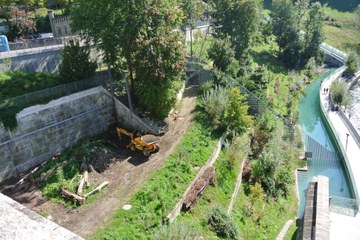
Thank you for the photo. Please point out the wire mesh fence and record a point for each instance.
(36, 43)
(64, 89)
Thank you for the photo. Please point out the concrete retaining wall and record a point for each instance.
(44, 130)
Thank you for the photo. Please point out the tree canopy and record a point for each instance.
(138, 38)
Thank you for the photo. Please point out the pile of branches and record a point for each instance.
(208, 177)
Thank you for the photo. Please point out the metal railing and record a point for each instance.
(344, 206)
(36, 43)
(334, 52)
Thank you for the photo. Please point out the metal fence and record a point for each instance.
(61, 90)
(344, 206)
(46, 42)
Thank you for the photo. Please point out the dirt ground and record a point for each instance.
(125, 171)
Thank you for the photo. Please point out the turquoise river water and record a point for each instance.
(325, 159)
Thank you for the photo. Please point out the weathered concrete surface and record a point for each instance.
(18, 222)
(322, 209)
(316, 221)
(45, 130)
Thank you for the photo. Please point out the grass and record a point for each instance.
(264, 54)
(66, 169)
(276, 214)
(341, 30)
(158, 196)
(218, 195)
(292, 232)
(13, 84)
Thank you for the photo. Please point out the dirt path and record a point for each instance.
(125, 177)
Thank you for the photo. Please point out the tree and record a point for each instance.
(20, 25)
(222, 54)
(352, 63)
(357, 13)
(238, 20)
(75, 63)
(236, 112)
(137, 37)
(339, 93)
(313, 32)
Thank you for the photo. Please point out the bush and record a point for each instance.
(352, 63)
(215, 101)
(222, 224)
(236, 149)
(158, 98)
(339, 93)
(236, 116)
(221, 53)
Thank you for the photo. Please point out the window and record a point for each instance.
(59, 31)
(65, 30)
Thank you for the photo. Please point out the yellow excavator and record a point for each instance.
(145, 143)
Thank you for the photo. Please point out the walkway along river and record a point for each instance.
(324, 158)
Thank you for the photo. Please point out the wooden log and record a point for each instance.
(97, 189)
(86, 178)
(81, 185)
(72, 197)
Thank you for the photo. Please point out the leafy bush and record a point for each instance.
(75, 63)
(215, 101)
(339, 93)
(352, 63)
(236, 116)
(158, 98)
(222, 224)
(221, 53)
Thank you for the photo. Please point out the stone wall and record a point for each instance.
(45, 130)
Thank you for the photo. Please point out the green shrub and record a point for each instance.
(339, 93)
(176, 231)
(215, 101)
(221, 53)
(352, 63)
(222, 224)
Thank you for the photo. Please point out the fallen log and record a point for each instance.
(97, 189)
(81, 184)
(72, 197)
(198, 188)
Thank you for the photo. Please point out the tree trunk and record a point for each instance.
(72, 197)
(98, 189)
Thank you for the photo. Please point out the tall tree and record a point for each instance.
(135, 37)
(238, 20)
(313, 32)
(76, 63)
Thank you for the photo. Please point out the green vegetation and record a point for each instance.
(341, 30)
(63, 171)
(339, 93)
(153, 57)
(222, 224)
(154, 201)
(13, 84)
(75, 63)
(352, 64)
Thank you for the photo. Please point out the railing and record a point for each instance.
(344, 206)
(35, 43)
(333, 51)
(333, 107)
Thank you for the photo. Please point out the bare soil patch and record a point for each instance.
(125, 171)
